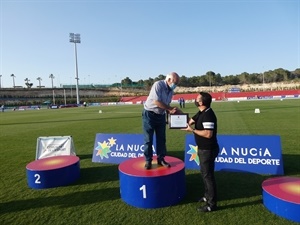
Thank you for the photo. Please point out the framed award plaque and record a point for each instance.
(178, 121)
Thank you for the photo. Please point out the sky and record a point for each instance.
(142, 39)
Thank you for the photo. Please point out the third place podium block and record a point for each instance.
(154, 188)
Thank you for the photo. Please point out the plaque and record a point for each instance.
(178, 121)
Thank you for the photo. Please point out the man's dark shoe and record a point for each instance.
(203, 199)
(162, 162)
(148, 165)
(207, 209)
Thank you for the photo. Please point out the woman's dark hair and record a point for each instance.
(206, 98)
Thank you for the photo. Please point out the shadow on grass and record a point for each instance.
(239, 205)
(235, 185)
(87, 156)
(291, 164)
(68, 200)
(230, 186)
(98, 174)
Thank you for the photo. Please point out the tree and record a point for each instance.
(218, 80)
(232, 80)
(140, 83)
(126, 82)
(148, 83)
(194, 81)
(29, 85)
(39, 79)
(244, 78)
(255, 78)
(183, 81)
(296, 73)
(211, 78)
(203, 80)
(283, 74)
(13, 77)
(51, 77)
(160, 77)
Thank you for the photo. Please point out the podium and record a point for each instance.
(154, 188)
(281, 195)
(53, 171)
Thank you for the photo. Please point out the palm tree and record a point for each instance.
(29, 85)
(39, 79)
(51, 77)
(13, 77)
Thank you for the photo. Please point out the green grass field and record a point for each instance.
(95, 197)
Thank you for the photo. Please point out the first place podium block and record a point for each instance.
(154, 188)
(53, 171)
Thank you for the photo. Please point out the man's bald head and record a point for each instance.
(172, 77)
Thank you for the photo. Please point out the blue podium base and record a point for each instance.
(281, 195)
(154, 188)
(53, 171)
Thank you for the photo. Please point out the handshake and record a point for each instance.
(175, 110)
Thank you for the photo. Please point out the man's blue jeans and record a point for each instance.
(154, 123)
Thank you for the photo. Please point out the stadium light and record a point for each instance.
(75, 38)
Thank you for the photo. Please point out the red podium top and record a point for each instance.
(135, 167)
(51, 163)
(285, 188)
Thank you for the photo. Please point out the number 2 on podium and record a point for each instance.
(37, 180)
(143, 188)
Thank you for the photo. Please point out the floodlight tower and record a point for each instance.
(75, 38)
